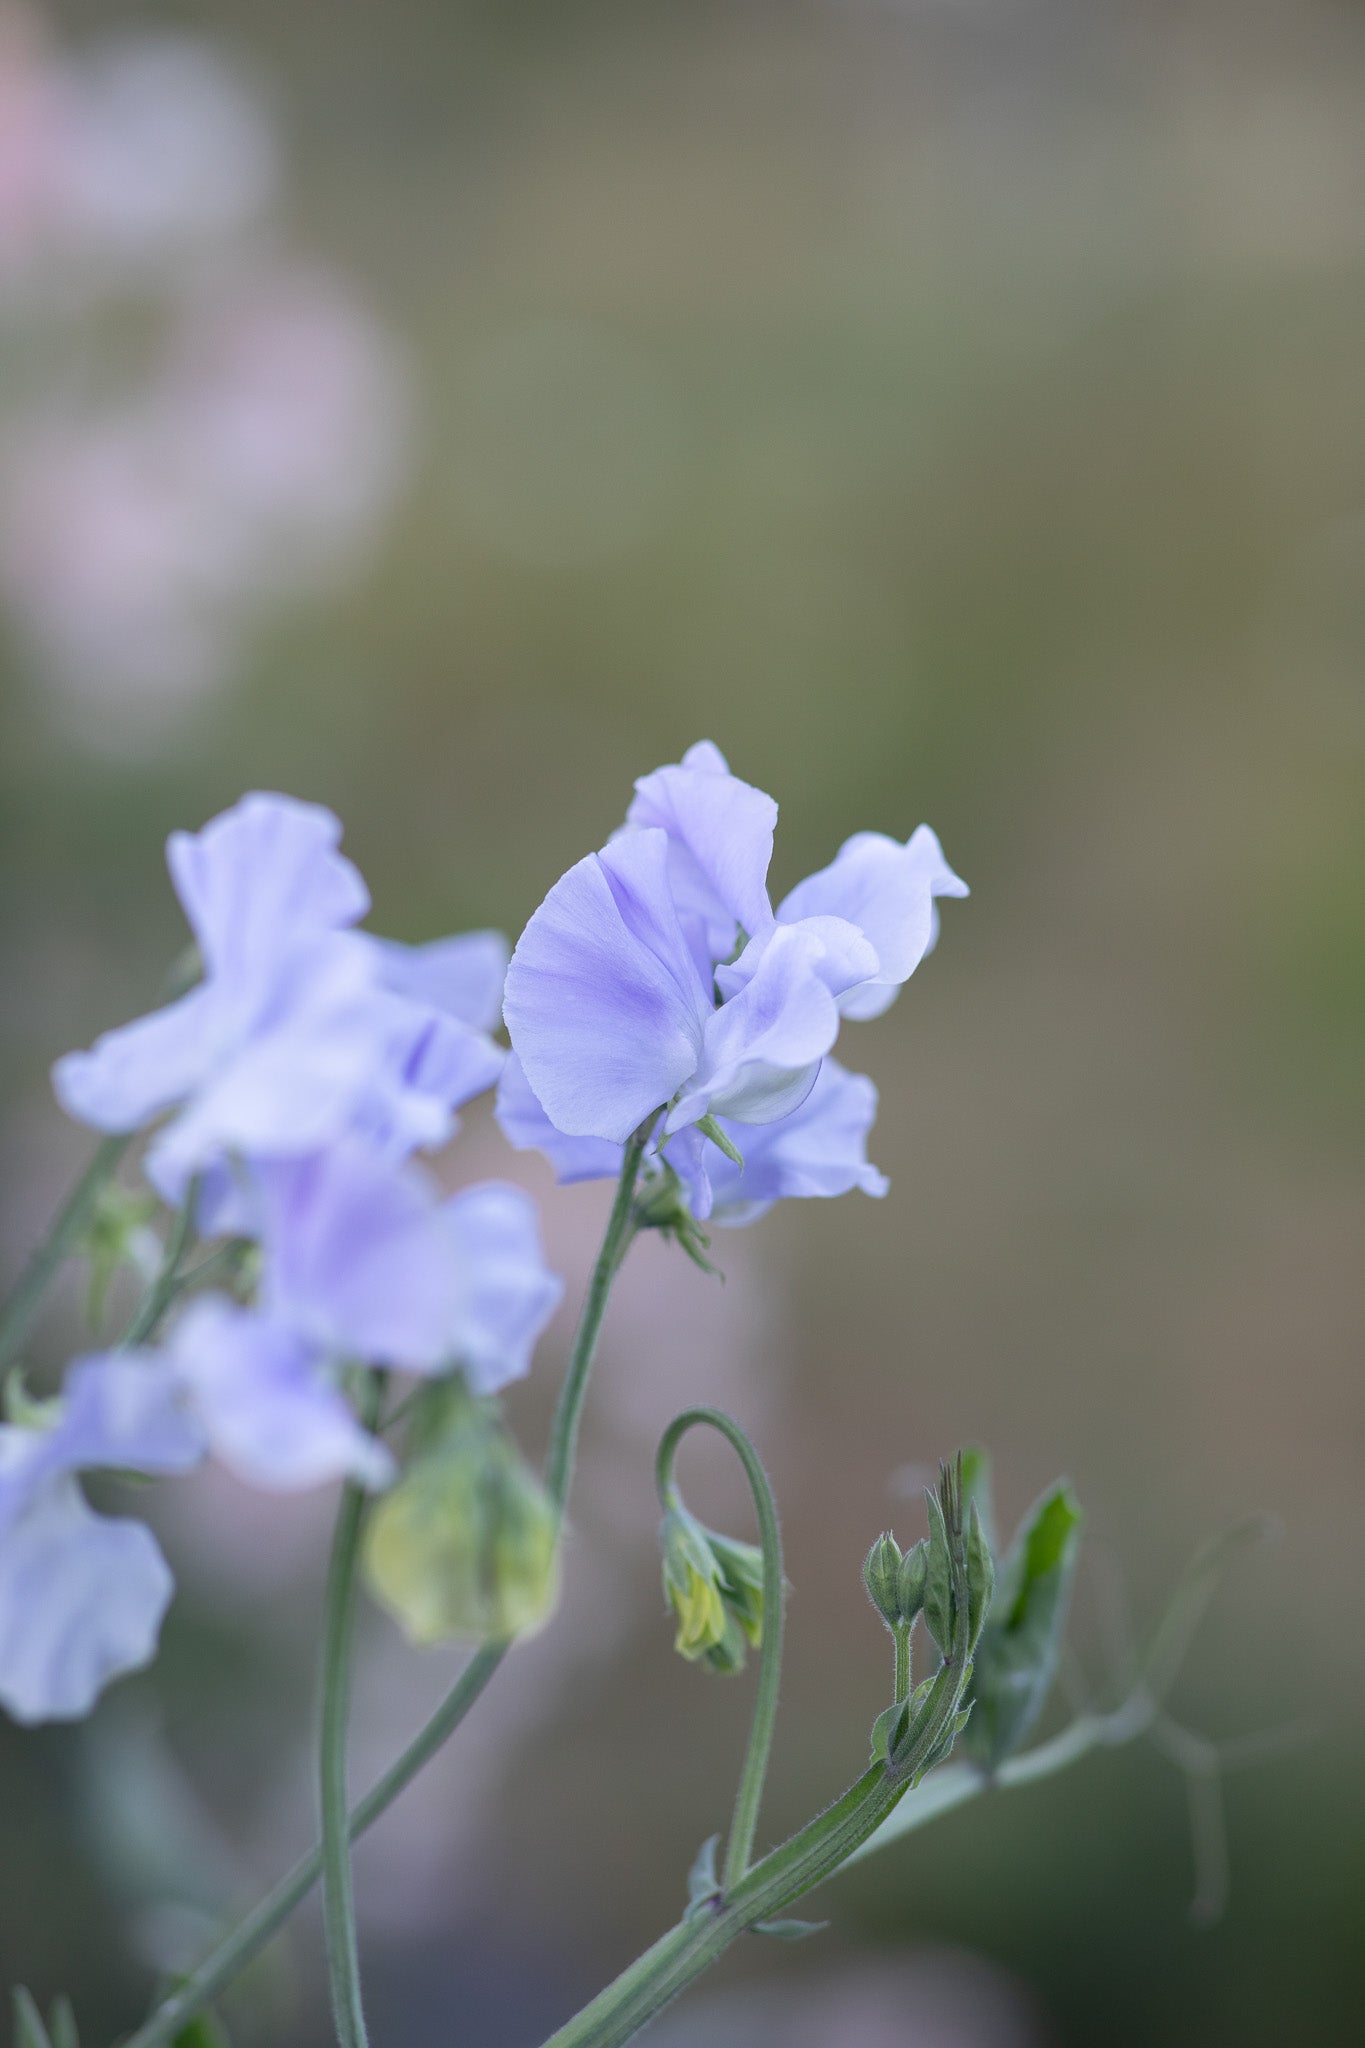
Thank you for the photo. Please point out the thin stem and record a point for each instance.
(250, 1936)
(559, 1461)
(264, 1921)
(20, 1312)
(147, 1316)
(343, 1961)
(901, 1636)
(747, 1800)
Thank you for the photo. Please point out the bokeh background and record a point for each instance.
(953, 408)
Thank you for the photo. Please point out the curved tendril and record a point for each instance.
(755, 1770)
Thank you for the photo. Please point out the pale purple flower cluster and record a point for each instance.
(657, 981)
(284, 1098)
(289, 1090)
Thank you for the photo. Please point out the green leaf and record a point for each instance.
(789, 1930)
(29, 2031)
(62, 2024)
(1021, 1641)
(976, 1489)
(980, 1574)
(938, 1592)
(886, 1731)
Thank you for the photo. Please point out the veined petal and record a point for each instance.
(604, 1004)
(82, 1598)
(259, 878)
(507, 1294)
(720, 834)
(525, 1126)
(136, 1071)
(359, 1259)
(268, 1411)
(887, 890)
(462, 976)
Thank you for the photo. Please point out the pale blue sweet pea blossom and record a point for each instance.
(656, 976)
(302, 1028)
(82, 1595)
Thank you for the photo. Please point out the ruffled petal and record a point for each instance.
(261, 877)
(604, 1004)
(720, 834)
(525, 1126)
(462, 976)
(507, 1294)
(269, 1412)
(887, 890)
(81, 1602)
(131, 1074)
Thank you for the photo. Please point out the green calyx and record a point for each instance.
(465, 1545)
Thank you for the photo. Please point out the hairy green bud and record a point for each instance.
(881, 1575)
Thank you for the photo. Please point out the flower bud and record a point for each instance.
(881, 1573)
(466, 1543)
(715, 1588)
(911, 1580)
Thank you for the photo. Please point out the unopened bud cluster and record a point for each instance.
(896, 1579)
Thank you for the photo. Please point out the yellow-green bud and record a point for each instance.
(466, 1544)
(715, 1588)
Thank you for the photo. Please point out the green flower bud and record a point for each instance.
(911, 1580)
(466, 1544)
(881, 1572)
(715, 1588)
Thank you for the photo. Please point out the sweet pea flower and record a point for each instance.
(302, 1028)
(82, 1595)
(362, 1259)
(656, 976)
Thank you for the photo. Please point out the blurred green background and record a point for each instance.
(954, 409)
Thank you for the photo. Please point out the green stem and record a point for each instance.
(252, 1934)
(747, 1800)
(559, 1462)
(901, 1635)
(146, 1319)
(264, 1921)
(343, 1961)
(68, 1228)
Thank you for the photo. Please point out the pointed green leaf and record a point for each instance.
(980, 1573)
(938, 1595)
(886, 1731)
(62, 2024)
(976, 1489)
(1021, 1641)
(29, 2031)
(703, 1881)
